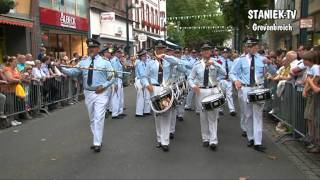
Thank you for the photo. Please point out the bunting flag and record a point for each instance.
(175, 18)
(213, 28)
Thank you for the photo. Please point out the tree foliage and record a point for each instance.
(6, 5)
(194, 38)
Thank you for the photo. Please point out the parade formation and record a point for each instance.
(159, 89)
(166, 81)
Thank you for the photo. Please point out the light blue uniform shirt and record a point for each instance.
(225, 62)
(168, 63)
(152, 68)
(99, 78)
(241, 69)
(196, 77)
(140, 69)
(117, 66)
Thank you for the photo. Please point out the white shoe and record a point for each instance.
(271, 112)
(13, 123)
(18, 122)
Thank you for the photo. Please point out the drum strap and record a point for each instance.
(252, 71)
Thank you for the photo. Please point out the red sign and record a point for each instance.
(61, 19)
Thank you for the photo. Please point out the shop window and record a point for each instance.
(53, 43)
(84, 46)
(46, 3)
(316, 38)
(76, 44)
(63, 48)
(70, 6)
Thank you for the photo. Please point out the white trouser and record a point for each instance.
(198, 104)
(109, 105)
(146, 107)
(241, 106)
(162, 122)
(208, 119)
(228, 92)
(117, 99)
(173, 119)
(189, 99)
(140, 97)
(96, 105)
(180, 110)
(253, 117)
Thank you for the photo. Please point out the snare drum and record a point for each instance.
(259, 95)
(162, 102)
(212, 102)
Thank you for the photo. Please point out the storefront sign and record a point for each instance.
(60, 19)
(142, 37)
(306, 23)
(108, 17)
(68, 21)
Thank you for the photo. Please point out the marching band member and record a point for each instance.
(241, 106)
(95, 85)
(204, 83)
(181, 72)
(248, 75)
(192, 61)
(225, 81)
(140, 71)
(107, 55)
(117, 92)
(159, 76)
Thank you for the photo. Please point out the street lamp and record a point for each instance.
(132, 6)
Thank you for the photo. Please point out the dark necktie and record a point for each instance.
(252, 72)
(227, 70)
(206, 77)
(90, 73)
(160, 73)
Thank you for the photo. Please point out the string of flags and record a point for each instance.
(214, 28)
(192, 17)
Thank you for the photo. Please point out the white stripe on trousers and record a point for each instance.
(96, 105)
(253, 117)
(208, 119)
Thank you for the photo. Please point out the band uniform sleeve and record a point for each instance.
(234, 70)
(171, 59)
(72, 71)
(192, 77)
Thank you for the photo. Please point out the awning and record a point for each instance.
(167, 42)
(15, 21)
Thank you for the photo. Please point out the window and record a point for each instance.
(81, 8)
(70, 6)
(147, 14)
(142, 12)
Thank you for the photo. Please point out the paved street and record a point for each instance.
(58, 147)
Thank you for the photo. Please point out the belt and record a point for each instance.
(256, 85)
(155, 84)
(208, 87)
(89, 90)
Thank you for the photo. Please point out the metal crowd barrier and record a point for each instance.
(290, 107)
(41, 94)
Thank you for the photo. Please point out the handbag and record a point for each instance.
(20, 92)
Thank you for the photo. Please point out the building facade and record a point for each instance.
(149, 19)
(64, 26)
(16, 29)
(111, 32)
(291, 39)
